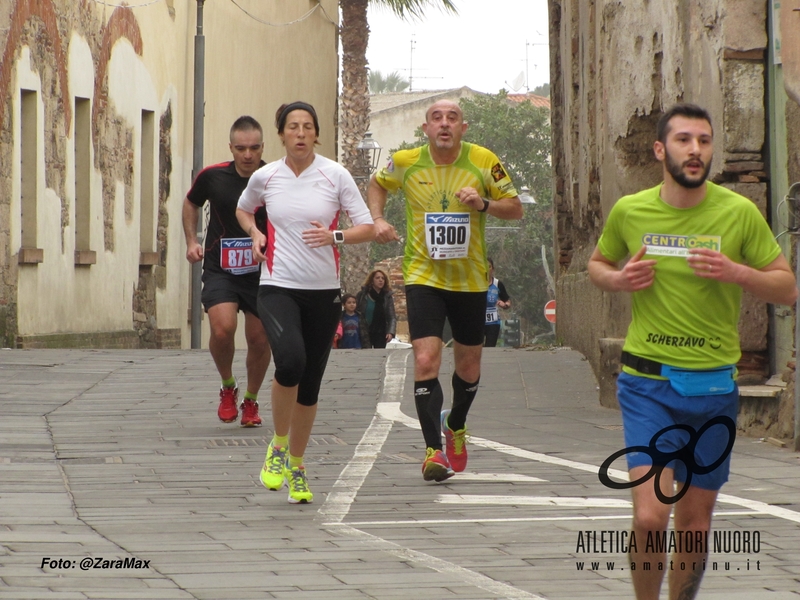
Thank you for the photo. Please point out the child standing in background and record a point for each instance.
(350, 324)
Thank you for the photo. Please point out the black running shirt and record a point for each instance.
(221, 186)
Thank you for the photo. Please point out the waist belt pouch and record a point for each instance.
(693, 382)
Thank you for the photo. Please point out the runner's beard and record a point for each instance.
(676, 170)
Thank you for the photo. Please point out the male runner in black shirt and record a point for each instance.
(230, 273)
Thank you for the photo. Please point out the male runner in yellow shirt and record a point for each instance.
(450, 187)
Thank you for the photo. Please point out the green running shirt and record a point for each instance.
(682, 319)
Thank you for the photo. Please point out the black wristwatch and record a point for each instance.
(485, 205)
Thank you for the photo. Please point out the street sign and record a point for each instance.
(550, 311)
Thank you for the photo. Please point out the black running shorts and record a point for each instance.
(224, 287)
(429, 306)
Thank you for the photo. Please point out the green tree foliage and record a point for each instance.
(542, 90)
(519, 133)
(393, 82)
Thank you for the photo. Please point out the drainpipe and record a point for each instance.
(197, 165)
(793, 205)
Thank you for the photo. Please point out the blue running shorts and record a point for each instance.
(699, 435)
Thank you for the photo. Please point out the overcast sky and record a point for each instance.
(484, 47)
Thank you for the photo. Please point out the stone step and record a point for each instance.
(759, 391)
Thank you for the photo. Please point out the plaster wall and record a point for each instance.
(126, 60)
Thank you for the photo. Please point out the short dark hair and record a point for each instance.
(345, 298)
(246, 123)
(284, 110)
(683, 109)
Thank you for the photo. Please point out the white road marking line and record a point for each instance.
(392, 411)
(761, 507)
(498, 477)
(352, 477)
(626, 516)
(496, 589)
(565, 502)
(337, 504)
(344, 491)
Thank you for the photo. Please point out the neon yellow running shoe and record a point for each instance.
(298, 486)
(273, 473)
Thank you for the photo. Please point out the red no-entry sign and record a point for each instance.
(550, 311)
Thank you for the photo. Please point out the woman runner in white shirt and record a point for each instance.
(299, 294)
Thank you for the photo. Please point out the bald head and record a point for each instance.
(444, 125)
(444, 107)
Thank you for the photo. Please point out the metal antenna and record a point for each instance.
(411, 66)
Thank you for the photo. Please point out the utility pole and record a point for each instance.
(411, 66)
(197, 165)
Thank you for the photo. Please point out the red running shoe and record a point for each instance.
(455, 444)
(227, 411)
(436, 467)
(250, 416)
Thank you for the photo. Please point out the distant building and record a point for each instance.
(394, 117)
(536, 100)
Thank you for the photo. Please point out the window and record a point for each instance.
(147, 219)
(83, 188)
(29, 166)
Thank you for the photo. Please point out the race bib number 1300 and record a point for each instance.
(236, 256)
(447, 235)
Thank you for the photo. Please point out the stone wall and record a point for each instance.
(615, 66)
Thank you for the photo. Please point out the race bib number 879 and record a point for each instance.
(236, 256)
(447, 235)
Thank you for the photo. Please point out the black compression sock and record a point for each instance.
(463, 395)
(428, 398)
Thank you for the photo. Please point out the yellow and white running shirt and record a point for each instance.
(445, 246)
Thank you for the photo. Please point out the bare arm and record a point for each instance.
(637, 274)
(505, 208)
(320, 235)
(248, 222)
(191, 216)
(376, 201)
(774, 283)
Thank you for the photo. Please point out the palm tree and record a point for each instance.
(354, 33)
(382, 84)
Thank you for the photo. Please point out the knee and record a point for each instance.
(649, 518)
(222, 330)
(470, 373)
(289, 368)
(427, 364)
(257, 341)
(695, 521)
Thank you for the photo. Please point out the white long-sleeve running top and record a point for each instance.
(319, 193)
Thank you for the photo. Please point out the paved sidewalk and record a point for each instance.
(116, 455)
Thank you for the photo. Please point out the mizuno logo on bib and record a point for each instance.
(447, 235)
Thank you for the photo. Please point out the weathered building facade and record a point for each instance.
(96, 147)
(615, 67)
